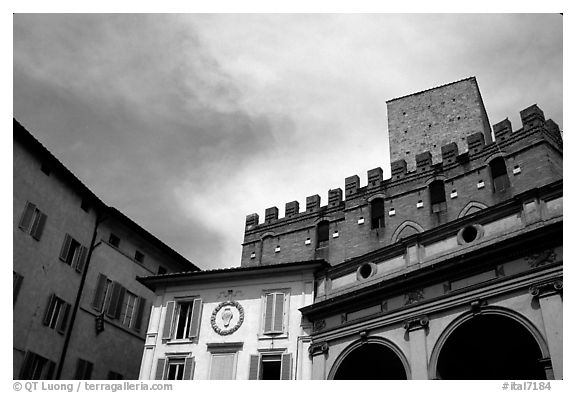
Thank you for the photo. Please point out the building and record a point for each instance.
(238, 323)
(449, 269)
(79, 312)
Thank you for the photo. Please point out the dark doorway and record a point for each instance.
(371, 361)
(490, 347)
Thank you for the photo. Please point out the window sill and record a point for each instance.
(179, 341)
(275, 336)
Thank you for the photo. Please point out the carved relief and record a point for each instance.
(319, 325)
(547, 288)
(227, 317)
(318, 348)
(416, 323)
(541, 258)
(414, 296)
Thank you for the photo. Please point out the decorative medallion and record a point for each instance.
(413, 296)
(541, 258)
(227, 317)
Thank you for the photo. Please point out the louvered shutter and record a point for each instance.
(189, 365)
(49, 367)
(195, 321)
(116, 298)
(286, 366)
(139, 314)
(269, 313)
(17, 284)
(99, 292)
(81, 259)
(65, 248)
(26, 218)
(166, 333)
(49, 309)
(63, 318)
(253, 372)
(25, 369)
(278, 313)
(160, 368)
(38, 225)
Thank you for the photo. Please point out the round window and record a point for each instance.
(366, 270)
(470, 233)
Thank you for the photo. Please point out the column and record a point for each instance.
(416, 328)
(550, 299)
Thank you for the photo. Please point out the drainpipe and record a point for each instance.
(99, 219)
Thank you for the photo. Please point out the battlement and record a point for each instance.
(404, 203)
(451, 157)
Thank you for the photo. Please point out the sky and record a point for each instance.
(189, 122)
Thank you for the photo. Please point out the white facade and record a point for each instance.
(241, 323)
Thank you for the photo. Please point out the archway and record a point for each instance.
(369, 361)
(490, 346)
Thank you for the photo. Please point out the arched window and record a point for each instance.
(437, 196)
(499, 175)
(377, 213)
(322, 234)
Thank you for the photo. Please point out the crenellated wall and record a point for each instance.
(532, 155)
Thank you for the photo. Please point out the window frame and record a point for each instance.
(274, 333)
(172, 311)
(56, 314)
(32, 221)
(323, 241)
(285, 358)
(377, 222)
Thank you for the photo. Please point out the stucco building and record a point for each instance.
(449, 269)
(79, 312)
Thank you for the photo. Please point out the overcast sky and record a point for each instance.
(187, 123)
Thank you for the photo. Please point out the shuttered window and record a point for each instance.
(274, 312)
(83, 369)
(500, 180)
(73, 253)
(32, 221)
(36, 367)
(437, 196)
(273, 366)
(223, 366)
(182, 319)
(56, 314)
(322, 234)
(175, 368)
(17, 283)
(377, 213)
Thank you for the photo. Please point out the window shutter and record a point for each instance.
(27, 216)
(50, 365)
(99, 292)
(139, 314)
(286, 366)
(166, 333)
(87, 370)
(189, 365)
(253, 373)
(115, 300)
(25, 369)
(49, 309)
(268, 316)
(160, 368)
(38, 225)
(196, 314)
(65, 248)
(17, 284)
(81, 259)
(279, 312)
(63, 318)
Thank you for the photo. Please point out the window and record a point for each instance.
(112, 375)
(176, 368)
(83, 369)
(161, 270)
(437, 196)
(182, 319)
(114, 240)
(271, 366)
(223, 366)
(275, 313)
(377, 213)
(56, 314)
(73, 253)
(36, 367)
(114, 301)
(32, 221)
(322, 234)
(17, 283)
(139, 257)
(499, 174)
(45, 168)
(85, 205)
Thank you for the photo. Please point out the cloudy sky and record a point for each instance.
(187, 123)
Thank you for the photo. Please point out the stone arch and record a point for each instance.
(370, 340)
(376, 196)
(489, 310)
(471, 207)
(411, 225)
